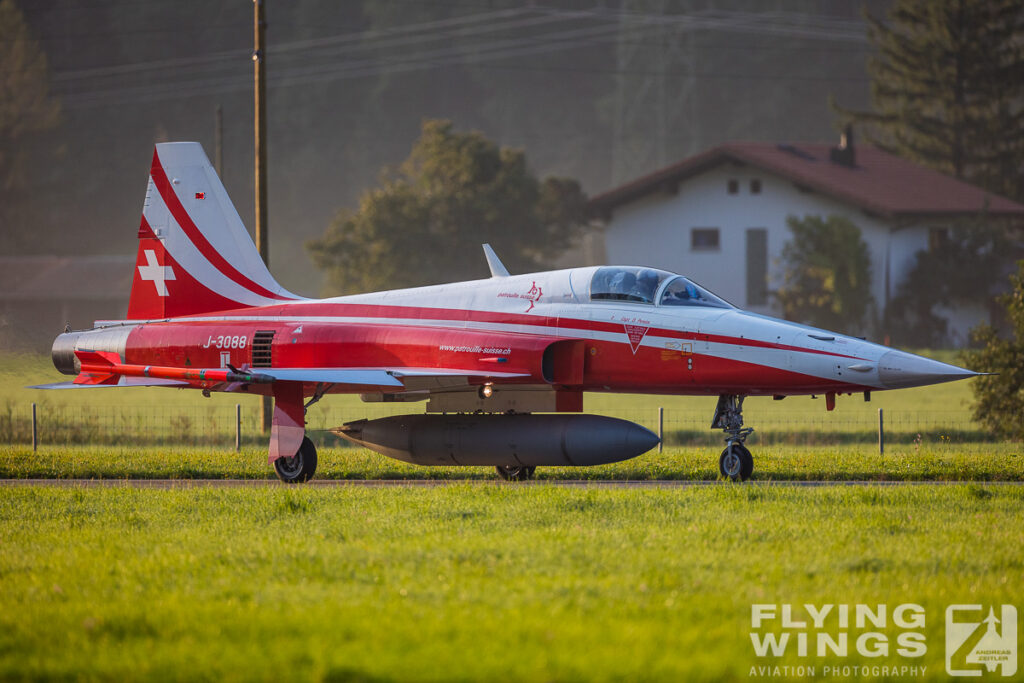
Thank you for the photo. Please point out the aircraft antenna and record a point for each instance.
(498, 268)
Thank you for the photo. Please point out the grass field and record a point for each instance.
(942, 461)
(482, 581)
(471, 582)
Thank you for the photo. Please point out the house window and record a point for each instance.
(757, 267)
(755, 186)
(733, 186)
(703, 239)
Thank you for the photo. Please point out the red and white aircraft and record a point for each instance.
(502, 363)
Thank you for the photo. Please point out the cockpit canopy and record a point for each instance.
(643, 285)
(616, 283)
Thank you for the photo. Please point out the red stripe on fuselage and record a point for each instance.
(315, 310)
(609, 365)
(163, 185)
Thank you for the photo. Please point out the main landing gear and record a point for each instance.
(736, 462)
(300, 467)
(515, 473)
(289, 428)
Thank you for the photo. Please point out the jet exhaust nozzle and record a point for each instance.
(63, 353)
(112, 339)
(506, 440)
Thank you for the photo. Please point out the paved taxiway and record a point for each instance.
(427, 483)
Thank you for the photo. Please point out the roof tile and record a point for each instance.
(878, 181)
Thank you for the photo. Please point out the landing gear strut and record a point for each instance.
(515, 473)
(736, 462)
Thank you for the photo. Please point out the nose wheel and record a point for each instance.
(736, 463)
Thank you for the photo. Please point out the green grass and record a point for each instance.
(470, 582)
(942, 461)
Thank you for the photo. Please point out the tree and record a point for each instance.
(947, 86)
(827, 273)
(999, 398)
(426, 222)
(26, 108)
(963, 269)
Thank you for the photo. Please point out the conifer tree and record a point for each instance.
(26, 105)
(947, 88)
(26, 109)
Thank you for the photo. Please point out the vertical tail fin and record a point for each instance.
(195, 255)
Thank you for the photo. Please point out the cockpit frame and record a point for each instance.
(649, 287)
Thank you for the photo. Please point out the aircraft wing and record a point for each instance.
(452, 372)
(103, 369)
(369, 376)
(376, 376)
(397, 377)
(420, 379)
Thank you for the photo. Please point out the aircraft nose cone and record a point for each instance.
(898, 370)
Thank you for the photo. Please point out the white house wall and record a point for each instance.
(655, 231)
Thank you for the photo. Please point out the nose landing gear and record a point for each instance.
(736, 462)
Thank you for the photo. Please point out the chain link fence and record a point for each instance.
(219, 425)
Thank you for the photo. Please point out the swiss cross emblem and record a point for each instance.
(154, 272)
(636, 335)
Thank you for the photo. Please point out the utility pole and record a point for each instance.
(218, 141)
(259, 59)
(656, 90)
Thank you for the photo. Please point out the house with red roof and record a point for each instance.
(720, 217)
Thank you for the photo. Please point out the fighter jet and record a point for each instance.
(502, 364)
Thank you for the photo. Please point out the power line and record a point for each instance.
(375, 39)
(198, 76)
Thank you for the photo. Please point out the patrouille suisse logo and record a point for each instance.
(636, 335)
(980, 641)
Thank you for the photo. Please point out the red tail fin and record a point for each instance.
(195, 255)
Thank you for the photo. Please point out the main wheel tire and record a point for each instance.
(748, 462)
(736, 463)
(300, 467)
(515, 473)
